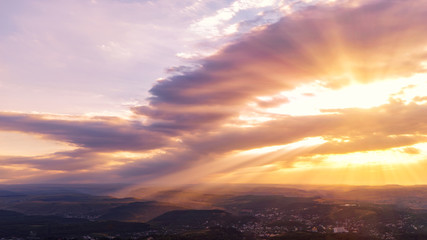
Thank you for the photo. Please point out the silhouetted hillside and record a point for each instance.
(13, 224)
(138, 211)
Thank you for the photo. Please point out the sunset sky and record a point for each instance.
(213, 91)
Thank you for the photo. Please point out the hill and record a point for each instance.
(138, 211)
(193, 219)
(15, 224)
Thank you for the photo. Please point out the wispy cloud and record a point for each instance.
(109, 134)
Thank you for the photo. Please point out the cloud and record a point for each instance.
(180, 119)
(349, 131)
(411, 150)
(274, 102)
(108, 134)
(393, 125)
(333, 45)
(352, 130)
(62, 161)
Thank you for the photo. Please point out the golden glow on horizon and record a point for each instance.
(396, 156)
(402, 174)
(391, 166)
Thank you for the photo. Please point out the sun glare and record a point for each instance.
(305, 143)
(312, 99)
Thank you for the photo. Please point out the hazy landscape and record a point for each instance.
(213, 212)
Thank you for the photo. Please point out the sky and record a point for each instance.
(162, 92)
